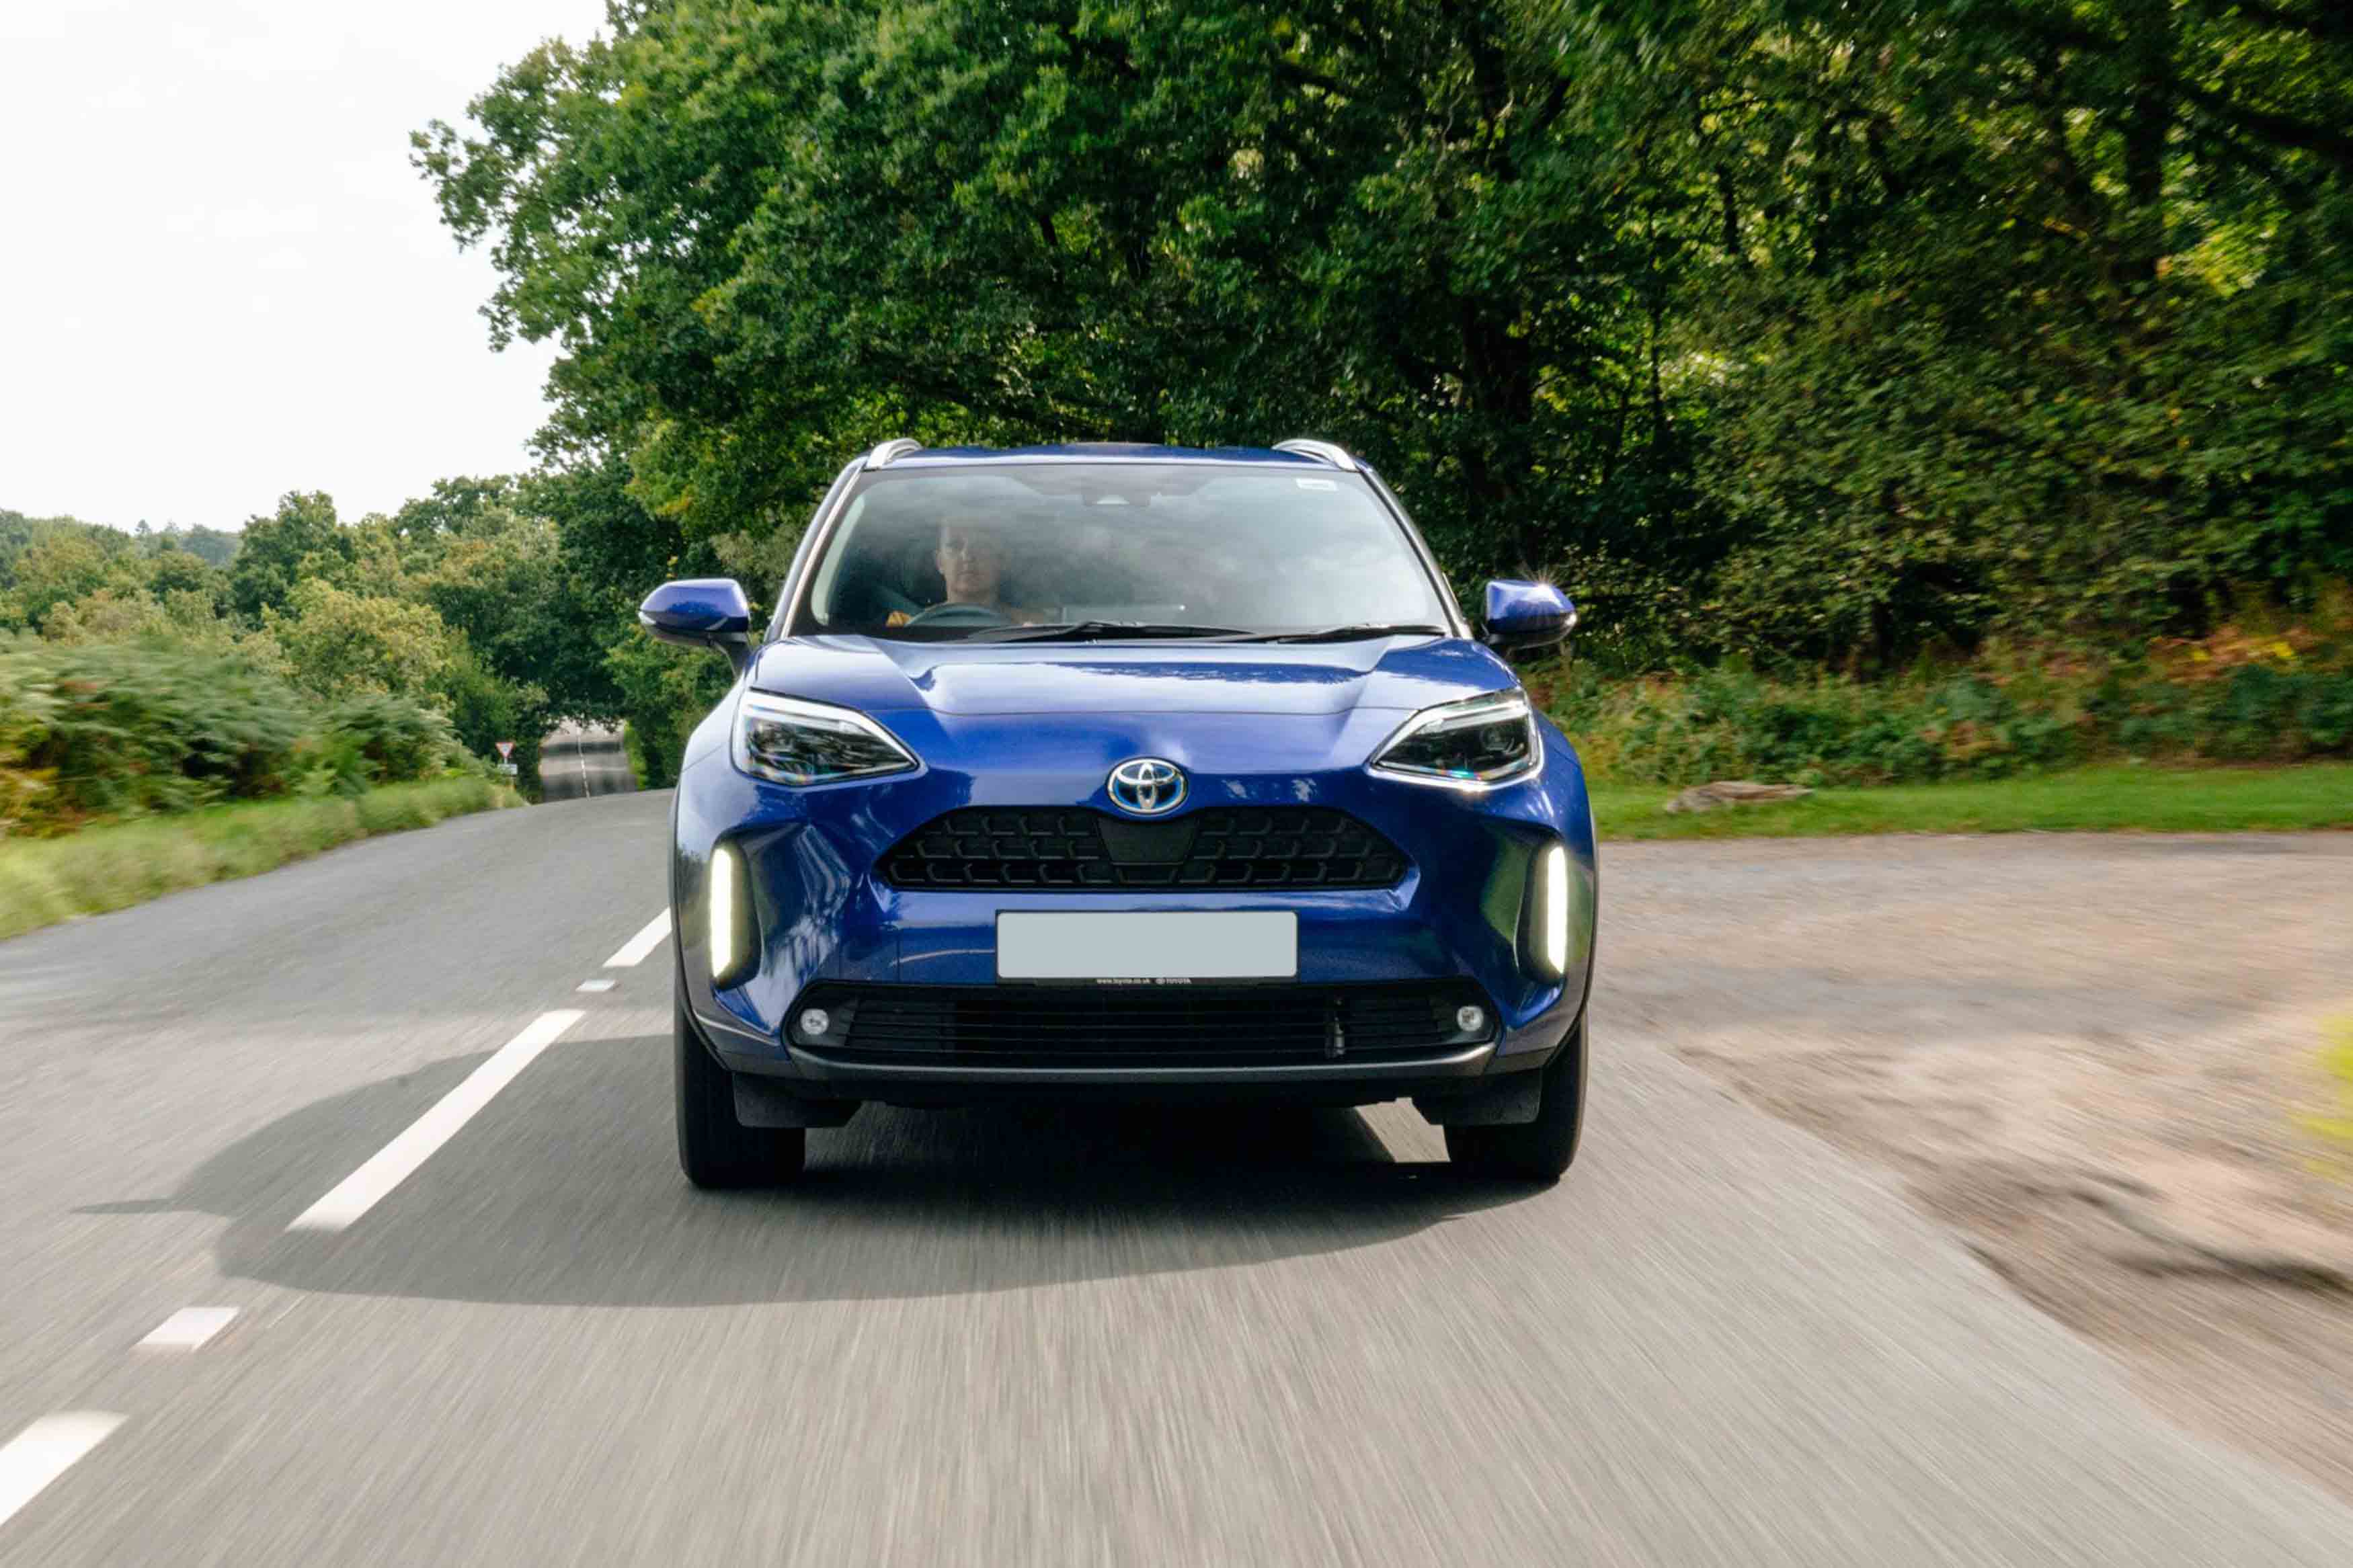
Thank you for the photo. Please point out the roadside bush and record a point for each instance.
(2229, 699)
(92, 731)
(394, 739)
(122, 728)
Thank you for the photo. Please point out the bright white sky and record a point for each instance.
(219, 278)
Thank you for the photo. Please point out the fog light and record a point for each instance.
(815, 1021)
(1471, 1020)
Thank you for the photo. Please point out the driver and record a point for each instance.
(971, 558)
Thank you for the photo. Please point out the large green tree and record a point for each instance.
(1808, 326)
(2022, 314)
(765, 234)
(301, 540)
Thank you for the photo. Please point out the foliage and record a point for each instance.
(108, 728)
(301, 540)
(2224, 698)
(343, 643)
(398, 741)
(103, 730)
(768, 233)
(1777, 326)
(665, 692)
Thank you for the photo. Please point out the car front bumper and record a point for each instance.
(829, 924)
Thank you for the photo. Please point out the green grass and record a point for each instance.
(98, 868)
(2113, 799)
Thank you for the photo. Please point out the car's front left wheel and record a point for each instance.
(1537, 1151)
(715, 1150)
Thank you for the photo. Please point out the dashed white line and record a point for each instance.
(397, 1161)
(595, 986)
(188, 1328)
(633, 952)
(46, 1450)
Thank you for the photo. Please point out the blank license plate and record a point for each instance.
(1148, 944)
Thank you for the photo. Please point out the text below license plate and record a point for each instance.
(1147, 945)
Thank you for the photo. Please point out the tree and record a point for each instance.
(767, 235)
(71, 562)
(340, 644)
(301, 540)
(1800, 326)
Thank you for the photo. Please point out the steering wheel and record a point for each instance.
(954, 615)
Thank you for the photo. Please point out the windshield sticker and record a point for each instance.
(1318, 484)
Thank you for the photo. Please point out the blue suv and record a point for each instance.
(1124, 772)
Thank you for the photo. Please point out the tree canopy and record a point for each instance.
(1833, 329)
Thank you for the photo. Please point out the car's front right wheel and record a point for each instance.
(1538, 1150)
(715, 1150)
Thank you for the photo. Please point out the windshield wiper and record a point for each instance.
(1100, 631)
(1360, 631)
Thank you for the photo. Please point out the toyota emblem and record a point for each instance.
(1147, 786)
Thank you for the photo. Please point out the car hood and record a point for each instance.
(976, 679)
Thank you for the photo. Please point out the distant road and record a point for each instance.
(479, 1318)
(575, 763)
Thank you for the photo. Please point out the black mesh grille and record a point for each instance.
(1144, 1026)
(1073, 849)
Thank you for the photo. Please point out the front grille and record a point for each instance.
(1078, 850)
(1143, 1025)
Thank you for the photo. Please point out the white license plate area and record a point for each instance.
(1147, 945)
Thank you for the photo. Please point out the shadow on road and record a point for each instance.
(567, 1191)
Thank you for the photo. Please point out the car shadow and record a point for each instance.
(567, 1191)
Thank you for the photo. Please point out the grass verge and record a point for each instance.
(2115, 799)
(43, 880)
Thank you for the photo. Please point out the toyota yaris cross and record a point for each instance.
(1129, 773)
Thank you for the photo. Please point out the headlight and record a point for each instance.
(1476, 744)
(797, 743)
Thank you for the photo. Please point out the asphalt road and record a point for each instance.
(998, 1338)
(577, 763)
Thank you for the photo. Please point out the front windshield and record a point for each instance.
(1013, 550)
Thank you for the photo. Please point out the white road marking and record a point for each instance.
(188, 1328)
(597, 985)
(46, 1450)
(633, 953)
(398, 1160)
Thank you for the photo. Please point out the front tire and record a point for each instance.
(715, 1149)
(1538, 1150)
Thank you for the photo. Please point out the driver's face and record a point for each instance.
(971, 562)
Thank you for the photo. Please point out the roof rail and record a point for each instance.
(890, 452)
(1323, 451)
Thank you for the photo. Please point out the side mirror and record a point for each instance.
(1525, 617)
(701, 612)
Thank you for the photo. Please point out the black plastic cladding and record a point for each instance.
(1044, 1026)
